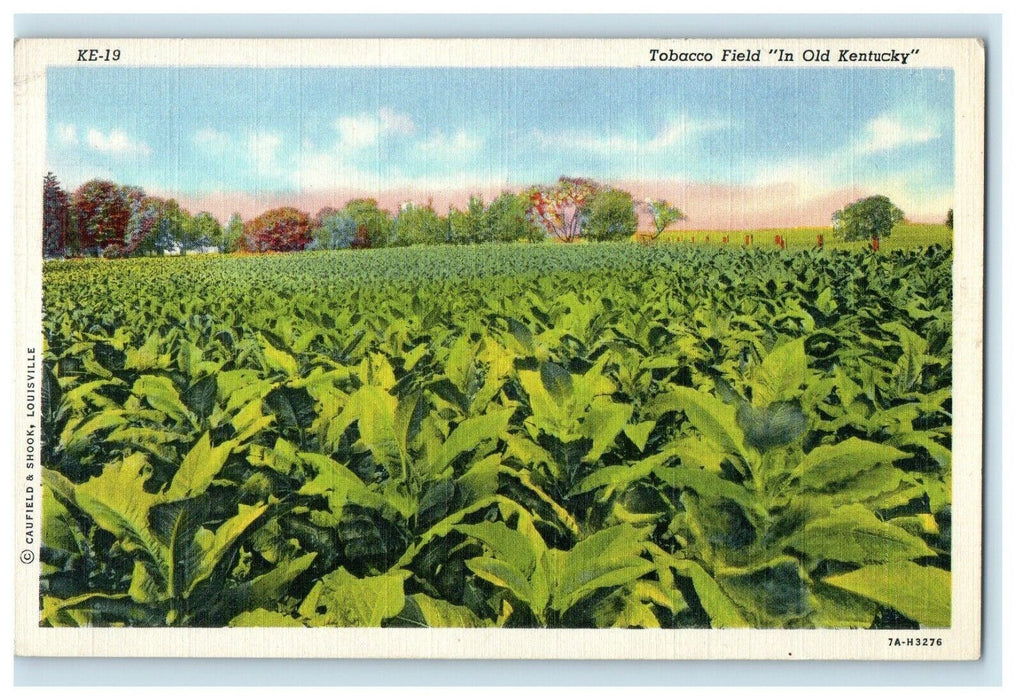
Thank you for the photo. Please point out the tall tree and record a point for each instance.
(868, 218)
(559, 208)
(175, 224)
(234, 234)
(333, 230)
(609, 215)
(373, 225)
(102, 210)
(282, 229)
(507, 220)
(470, 226)
(664, 214)
(419, 225)
(143, 235)
(56, 217)
(206, 231)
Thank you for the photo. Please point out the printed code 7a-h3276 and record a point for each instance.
(914, 641)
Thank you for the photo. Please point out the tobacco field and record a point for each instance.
(599, 435)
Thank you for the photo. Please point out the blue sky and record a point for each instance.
(193, 131)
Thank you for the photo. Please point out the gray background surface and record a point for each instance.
(312, 672)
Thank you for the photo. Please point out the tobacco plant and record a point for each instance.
(520, 436)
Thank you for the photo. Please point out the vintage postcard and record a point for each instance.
(647, 348)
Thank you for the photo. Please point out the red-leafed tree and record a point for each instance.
(285, 228)
(102, 211)
(559, 208)
(56, 217)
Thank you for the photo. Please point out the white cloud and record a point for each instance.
(449, 146)
(364, 130)
(116, 142)
(67, 133)
(840, 167)
(674, 132)
(211, 139)
(888, 132)
(396, 122)
(263, 149)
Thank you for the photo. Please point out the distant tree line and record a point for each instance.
(102, 218)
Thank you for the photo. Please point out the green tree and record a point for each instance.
(334, 230)
(56, 217)
(234, 234)
(372, 224)
(949, 223)
(664, 214)
(207, 231)
(144, 234)
(507, 220)
(868, 218)
(470, 226)
(418, 225)
(175, 225)
(609, 215)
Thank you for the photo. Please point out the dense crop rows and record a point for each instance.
(599, 435)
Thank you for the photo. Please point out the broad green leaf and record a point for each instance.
(607, 559)
(832, 464)
(639, 433)
(505, 575)
(294, 409)
(58, 523)
(506, 544)
(160, 393)
(238, 387)
(481, 479)
(199, 467)
(549, 414)
(708, 485)
(721, 610)
(620, 475)
(250, 421)
(335, 481)
(118, 502)
(216, 545)
(469, 434)
(775, 425)
(441, 613)
(264, 618)
(781, 375)
(713, 418)
(941, 454)
(267, 589)
(921, 593)
(774, 594)
(175, 525)
(78, 435)
(278, 360)
(626, 611)
(854, 534)
(374, 409)
(144, 587)
(408, 418)
(837, 609)
(349, 601)
(602, 423)
(557, 381)
(282, 457)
